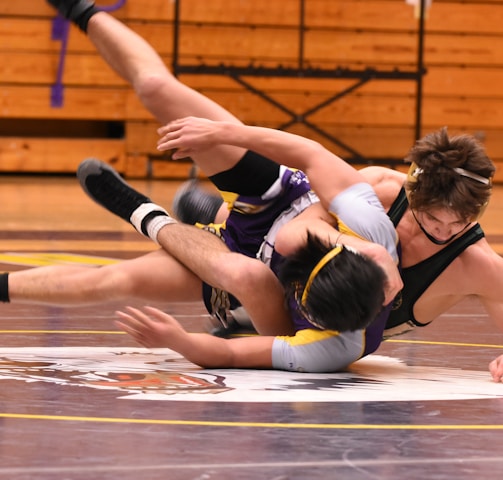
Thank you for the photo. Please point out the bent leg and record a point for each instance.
(248, 279)
(252, 282)
(158, 90)
(155, 277)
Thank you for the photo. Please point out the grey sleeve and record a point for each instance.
(359, 208)
(317, 351)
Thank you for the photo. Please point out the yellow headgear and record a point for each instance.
(331, 254)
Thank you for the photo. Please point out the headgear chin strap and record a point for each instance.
(415, 171)
(431, 238)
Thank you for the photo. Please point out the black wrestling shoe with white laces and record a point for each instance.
(192, 204)
(106, 187)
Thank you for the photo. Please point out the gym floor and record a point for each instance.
(80, 400)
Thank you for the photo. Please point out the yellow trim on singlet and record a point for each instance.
(239, 206)
(343, 228)
(229, 198)
(307, 336)
(211, 227)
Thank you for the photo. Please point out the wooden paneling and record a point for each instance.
(462, 88)
(24, 154)
(79, 103)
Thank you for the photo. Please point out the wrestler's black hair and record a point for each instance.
(346, 294)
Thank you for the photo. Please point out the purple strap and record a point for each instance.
(59, 31)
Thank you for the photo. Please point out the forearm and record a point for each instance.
(327, 173)
(154, 328)
(208, 351)
(279, 146)
(203, 349)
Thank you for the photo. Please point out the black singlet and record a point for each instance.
(419, 277)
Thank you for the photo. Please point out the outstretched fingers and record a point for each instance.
(132, 325)
(146, 330)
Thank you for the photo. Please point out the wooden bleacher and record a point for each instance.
(100, 115)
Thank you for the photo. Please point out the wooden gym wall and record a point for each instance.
(100, 116)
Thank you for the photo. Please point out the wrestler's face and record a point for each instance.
(440, 225)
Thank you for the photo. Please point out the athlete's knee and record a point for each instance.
(148, 84)
(243, 275)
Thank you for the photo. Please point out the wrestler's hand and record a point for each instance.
(394, 281)
(496, 368)
(188, 135)
(381, 256)
(151, 327)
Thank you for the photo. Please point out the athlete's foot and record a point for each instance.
(106, 187)
(192, 204)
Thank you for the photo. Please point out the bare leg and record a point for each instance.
(158, 277)
(155, 277)
(159, 91)
(168, 99)
(248, 279)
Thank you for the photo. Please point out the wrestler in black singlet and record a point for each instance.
(419, 277)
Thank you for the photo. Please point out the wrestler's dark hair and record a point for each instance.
(346, 294)
(439, 185)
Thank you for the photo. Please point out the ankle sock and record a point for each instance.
(83, 19)
(4, 287)
(156, 223)
(77, 11)
(149, 218)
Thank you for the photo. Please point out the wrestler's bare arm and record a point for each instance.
(495, 310)
(315, 218)
(153, 328)
(328, 173)
(483, 277)
(493, 303)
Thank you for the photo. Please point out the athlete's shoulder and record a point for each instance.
(376, 175)
(386, 182)
(479, 265)
(480, 255)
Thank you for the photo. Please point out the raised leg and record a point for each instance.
(159, 91)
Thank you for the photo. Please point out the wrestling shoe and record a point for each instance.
(72, 9)
(192, 204)
(106, 187)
